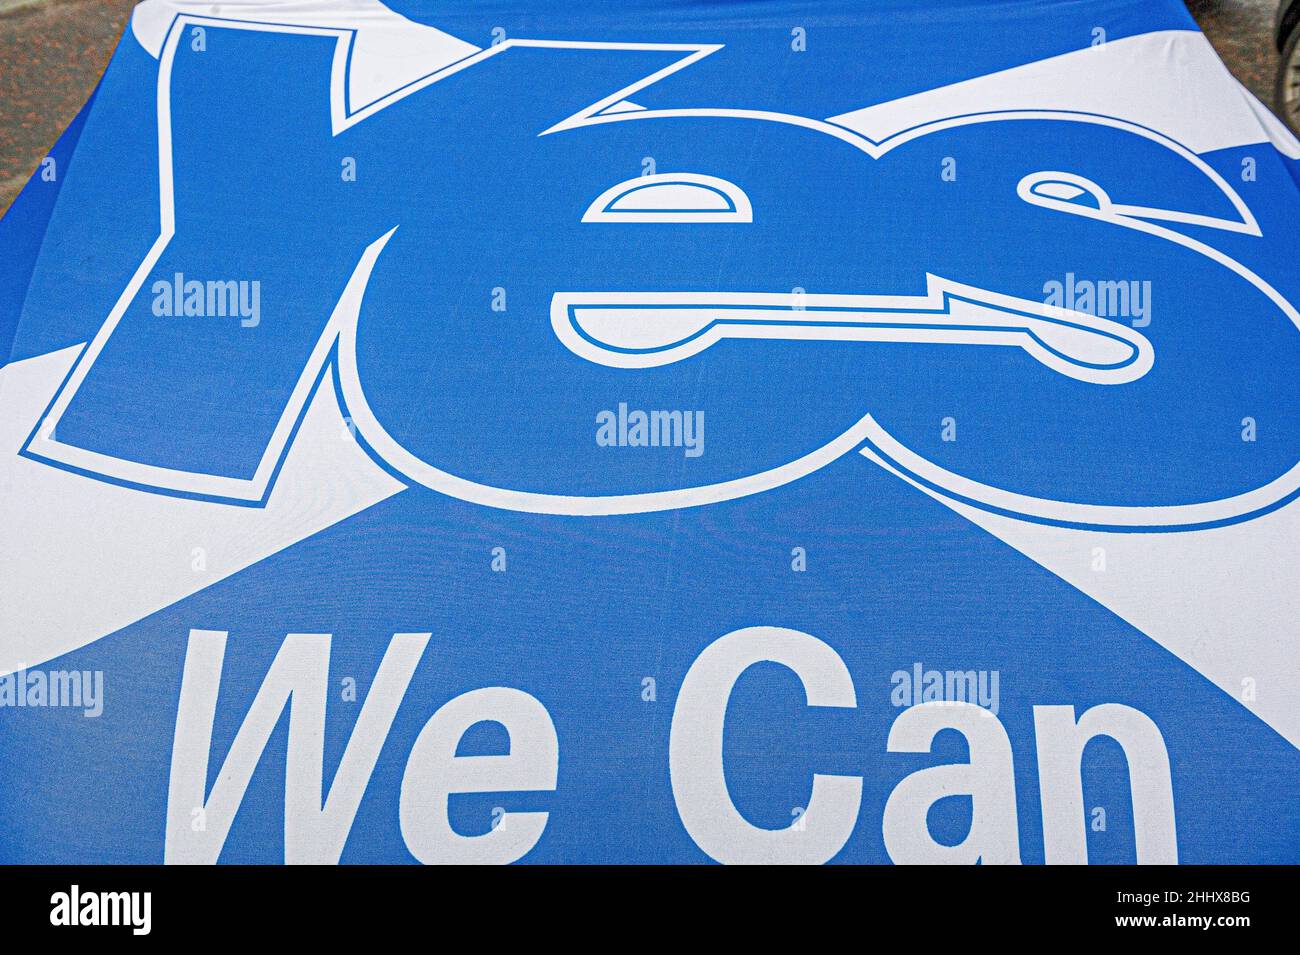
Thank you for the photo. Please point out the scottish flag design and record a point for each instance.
(654, 433)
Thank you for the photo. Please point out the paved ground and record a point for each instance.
(1242, 32)
(52, 52)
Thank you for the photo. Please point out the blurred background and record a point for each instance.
(52, 52)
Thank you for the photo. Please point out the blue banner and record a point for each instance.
(654, 433)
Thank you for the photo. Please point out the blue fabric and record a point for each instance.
(442, 458)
